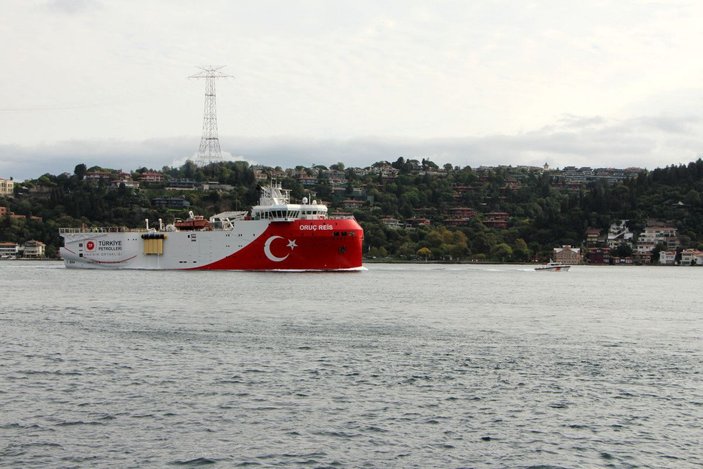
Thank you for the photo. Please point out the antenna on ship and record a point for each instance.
(209, 150)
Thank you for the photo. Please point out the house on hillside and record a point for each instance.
(98, 176)
(459, 216)
(592, 236)
(170, 202)
(391, 222)
(496, 219)
(151, 177)
(656, 232)
(7, 187)
(618, 234)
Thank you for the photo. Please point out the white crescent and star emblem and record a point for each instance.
(267, 249)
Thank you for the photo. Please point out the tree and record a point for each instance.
(424, 252)
(623, 250)
(80, 171)
(521, 252)
(502, 252)
(693, 198)
(657, 249)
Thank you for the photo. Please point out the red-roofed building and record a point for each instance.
(496, 219)
(691, 257)
(151, 176)
(592, 236)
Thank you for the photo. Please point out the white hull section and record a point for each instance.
(185, 249)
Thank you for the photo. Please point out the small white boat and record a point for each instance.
(552, 266)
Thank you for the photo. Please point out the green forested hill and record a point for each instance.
(393, 202)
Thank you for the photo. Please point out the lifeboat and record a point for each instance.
(193, 222)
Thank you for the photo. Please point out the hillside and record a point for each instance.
(409, 209)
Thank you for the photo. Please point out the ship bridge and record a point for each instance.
(274, 204)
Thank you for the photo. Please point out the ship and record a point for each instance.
(552, 266)
(276, 235)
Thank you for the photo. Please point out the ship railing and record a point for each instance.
(101, 229)
(341, 217)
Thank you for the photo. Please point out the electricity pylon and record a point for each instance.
(209, 150)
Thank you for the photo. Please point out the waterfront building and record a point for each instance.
(567, 255)
(691, 257)
(598, 255)
(656, 232)
(667, 257)
(34, 249)
(8, 249)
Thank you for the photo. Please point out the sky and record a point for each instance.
(485, 82)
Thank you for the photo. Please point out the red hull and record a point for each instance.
(300, 245)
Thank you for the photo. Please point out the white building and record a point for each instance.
(618, 234)
(655, 233)
(7, 187)
(390, 222)
(667, 257)
(691, 257)
(34, 248)
(9, 250)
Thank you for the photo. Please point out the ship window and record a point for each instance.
(344, 233)
(336, 233)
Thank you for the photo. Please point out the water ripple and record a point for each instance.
(488, 369)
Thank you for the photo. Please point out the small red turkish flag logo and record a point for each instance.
(90, 245)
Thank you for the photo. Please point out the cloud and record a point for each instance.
(647, 141)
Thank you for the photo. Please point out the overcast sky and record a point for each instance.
(598, 83)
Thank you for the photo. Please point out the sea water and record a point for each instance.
(398, 366)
